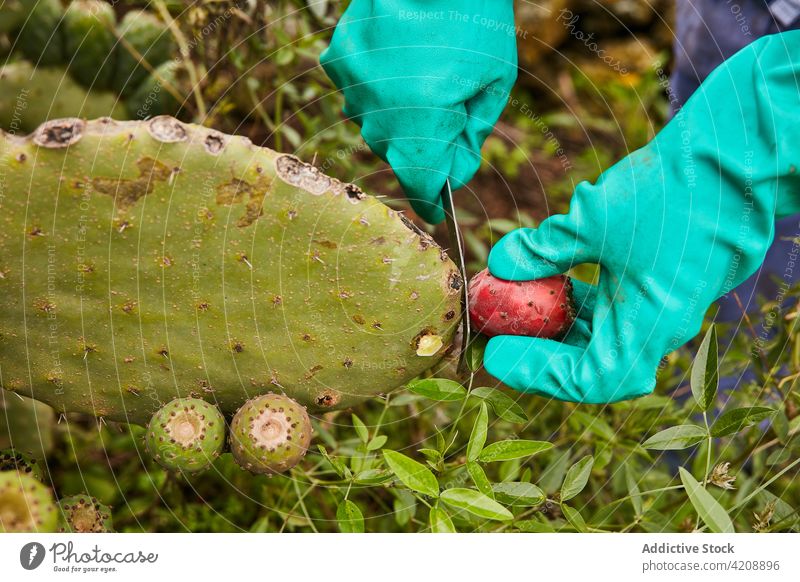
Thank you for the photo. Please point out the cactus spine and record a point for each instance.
(187, 434)
(270, 434)
(162, 259)
(84, 514)
(26, 505)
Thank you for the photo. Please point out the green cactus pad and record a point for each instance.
(13, 460)
(41, 38)
(270, 434)
(140, 261)
(26, 505)
(84, 514)
(32, 95)
(145, 34)
(88, 27)
(187, 434)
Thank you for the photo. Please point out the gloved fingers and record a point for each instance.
(584, 296)
(532, 253)
(534, 365)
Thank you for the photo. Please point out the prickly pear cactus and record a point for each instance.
(140, 261)
(12, 460)
(41, 37)
(270, 434)
(90, 42)
(26, 505)
(151, 40)
(187, 434)
(84, 514)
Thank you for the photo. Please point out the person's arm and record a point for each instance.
(674, 226)
(426, 80)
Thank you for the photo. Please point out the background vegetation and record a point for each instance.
(467, 456)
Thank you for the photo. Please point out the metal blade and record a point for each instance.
(457, 254)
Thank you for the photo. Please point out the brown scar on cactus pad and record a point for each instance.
(270, 434)
(121, 196)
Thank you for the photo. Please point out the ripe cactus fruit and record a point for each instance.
(84, 514)
(13, 460)
(186, 434)
(150, 38)
(270, 434)
(26, 505)
(88, 29)
(146, 260)
(541, 308)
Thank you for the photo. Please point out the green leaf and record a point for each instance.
(475, 349)
(735, 420)
(676, 437)
(405, 507)
(513, 449)
(440, 521)
(439, 389)
(551, 478)
(480, 479)
(534, 526)
(574, 518)
(502, 405)
(708, 508)
(705, 371)
(361, 429)
(577, 477)
(633, 490)
(377, 442)
(476, 503)
(412, 474)
(593, 424)
(349, 517)
(478, 437)
(518, 493)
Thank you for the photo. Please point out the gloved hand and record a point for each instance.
(674, 226)
(426, 80)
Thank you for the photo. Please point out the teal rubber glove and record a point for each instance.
(674, 226)
(426, 80)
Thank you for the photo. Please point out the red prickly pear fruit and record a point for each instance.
(540, 308)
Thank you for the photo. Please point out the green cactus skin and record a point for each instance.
(162, 259)
(31, 96)
(270, 434)
(26, 425)
(12, 460)
(26, 505)
(151, 38)
(13, 13)
(187, 434)
(41, 38)
(90, 42)
(152, 98)
(84, 514)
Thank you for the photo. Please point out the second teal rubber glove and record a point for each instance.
(674, 226)
(426, 80)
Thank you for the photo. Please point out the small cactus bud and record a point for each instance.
(187, 434)
(270, 434)
(84, 514)
(26, 505)
(13, 460)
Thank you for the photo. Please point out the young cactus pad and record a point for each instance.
(12, 460)
(145, 260)
(26, 505)
(187, 434)
(84, 514)
(270, 434)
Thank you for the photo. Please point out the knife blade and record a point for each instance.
(457, 254)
